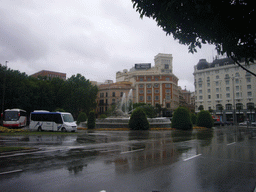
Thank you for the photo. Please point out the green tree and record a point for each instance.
(138, 120)
(91, 120)
(181, 119)
(204, 119)
(201, 107)
(82, 117)
(195, 23)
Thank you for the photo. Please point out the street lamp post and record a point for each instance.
(4, 87)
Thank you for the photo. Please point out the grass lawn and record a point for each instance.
(9, 149)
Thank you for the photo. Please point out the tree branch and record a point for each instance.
(235, 60)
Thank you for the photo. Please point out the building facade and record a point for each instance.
(153, 85)
(110, 94)
(225, 89)
(50, 74)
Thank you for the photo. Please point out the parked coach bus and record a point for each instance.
(14, 118)
(52, 121)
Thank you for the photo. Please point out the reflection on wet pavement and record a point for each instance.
(101, 160)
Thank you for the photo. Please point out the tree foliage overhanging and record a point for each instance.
(227, 24)
(74, 95)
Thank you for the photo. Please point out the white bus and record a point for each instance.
(14, 118)
(52, 121)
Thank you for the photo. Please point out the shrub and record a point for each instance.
(138, 120)
(204, 119)
(193, 118)
(91, 120)
(82, 117)
(181, 119)
(103, 116)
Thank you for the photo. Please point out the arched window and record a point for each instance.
(228, 106)
(250, 106)
(239, 106)
(219, 107)
(168, 105)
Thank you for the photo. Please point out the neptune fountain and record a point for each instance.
(121, 116)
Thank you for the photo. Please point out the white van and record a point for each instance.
(52, 121)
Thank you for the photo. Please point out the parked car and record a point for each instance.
(245, 123)
(228, 123)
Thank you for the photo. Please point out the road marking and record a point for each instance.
(231, 143)
(132, 151)
(192, 157)
(8, 172)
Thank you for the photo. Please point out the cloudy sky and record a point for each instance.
(95, 38)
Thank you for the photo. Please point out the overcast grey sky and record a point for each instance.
(95, 38)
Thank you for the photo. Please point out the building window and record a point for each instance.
(227, 88)
(166, 66)
(156, 85)
(209, 96)
(148, 97)
(228, 95)
(121, 94)
(167, 79)
(167, 90)
(141, 91)
(237, 75)
(249, 94)
(148, 85)
(113, 94)
(156, 90)
(101, 95)
(106, 101)
(200, 97)
(106, 94)
(217, 90)
(249, 87)
(250, 106)
(168, 97)
(227, 82)
(228, 106)
(141, 86)
(141, 79)
(208, 84)
(248, 80)
(209, 90)
(217, 77)
(227, 76)
(167, 85)
(200, 85)
(217, 83)
(113, 101)
(141, 98)
(237, 81)
(237, 88)
(237, 95)
(156, 79)
(217, 96)
(149, 91)
(200, 91)
(239, 106)
(148, 79)
(157, 97)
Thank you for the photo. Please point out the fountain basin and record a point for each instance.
(112, 122)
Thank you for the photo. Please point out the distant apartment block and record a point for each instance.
(153, 85)
(50, 74)
(225, 89)
(110, 94)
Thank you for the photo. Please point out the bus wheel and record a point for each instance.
(63, 129)
(39, 129)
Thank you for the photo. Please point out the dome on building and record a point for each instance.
(222, 62)
(202, 64)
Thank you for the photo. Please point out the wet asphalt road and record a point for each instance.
(223, 159)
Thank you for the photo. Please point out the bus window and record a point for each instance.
(11, 116)
(57, 119)
(67, 118)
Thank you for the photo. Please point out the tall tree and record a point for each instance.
(227, 24)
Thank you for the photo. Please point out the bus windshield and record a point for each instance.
(67, 118)
(11, 116)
